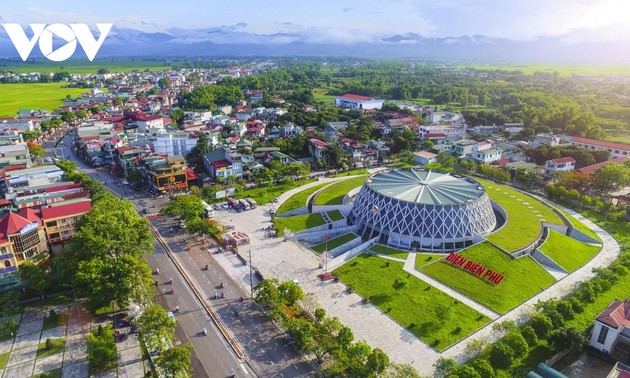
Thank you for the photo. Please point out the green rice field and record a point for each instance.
(45, 96)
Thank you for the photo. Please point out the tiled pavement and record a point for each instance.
(23, 361)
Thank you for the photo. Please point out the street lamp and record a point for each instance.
(74, 293)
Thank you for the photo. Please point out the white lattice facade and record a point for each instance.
(429, 227)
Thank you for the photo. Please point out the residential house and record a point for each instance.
(436, 139)
(463, 148)
(591, 169)
(317, 149)
(452, 132)
(611, 331)
(291, 130)
(15, 154)
(513, 127)
(616, 149)
(220, 163)
(254, 96)
(425, 157)
(333, 129)
(566, 163)
(21, 240)
(444, 117)
(485, 153)
(125, 157)
(352, 101)
(149, 122)
(545, 139)
(164, 174)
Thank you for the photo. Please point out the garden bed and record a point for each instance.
(299, 222)
(334, 243)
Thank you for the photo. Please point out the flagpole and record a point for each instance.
(326, 254)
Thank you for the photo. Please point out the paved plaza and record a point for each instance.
(288, 260)
(72, 361)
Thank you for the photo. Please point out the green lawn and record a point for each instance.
(581, 226)
(49, 323)
(298, 199)
(524, 216)
(335, 215)
(334, 243)
(353, 172)
(49, 374)
(48, 96)
(434, 317)
(568, 252)
(84, 66)
(58, 346)
(333, 195)
(265, 194)
(524, 278)
(400, 165)
(4, 359)
(423, 259)
(299, 222)
(393, 252)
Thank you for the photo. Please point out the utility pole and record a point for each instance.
(251, 282)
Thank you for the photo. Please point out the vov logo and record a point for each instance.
(71, 33)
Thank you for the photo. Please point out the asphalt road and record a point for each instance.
(268, 351)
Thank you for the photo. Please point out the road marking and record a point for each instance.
(272, 362)
(276, 343)
(296, 368)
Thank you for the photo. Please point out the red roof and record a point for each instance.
(12, 223)
(601, 143)
(500, 162)
(66, 210)
(63, 187)
(616, 315)
(31, 214)
(191, 175)
(319, 143)
(590, 169)
(566, 159)
(353, 97)
(221, 163)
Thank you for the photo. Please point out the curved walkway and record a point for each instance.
(289, 260)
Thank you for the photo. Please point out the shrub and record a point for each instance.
(484, 368)
(501, 356)
(49, 344)
(529, 335)
(576, 305)
(565, 309)
(517, 342)
(542, 325)
(565, 338)
(53, 315)
(465, 371)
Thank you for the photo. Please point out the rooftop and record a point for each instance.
(426, 187)
(616, 315)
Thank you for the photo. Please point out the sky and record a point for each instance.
(345, 21)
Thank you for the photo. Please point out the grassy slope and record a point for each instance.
(333, 195)
(334, 243)
(524, 278)
(47, 96)
(299, 222)
(581, 226)
(433, 316)
(265, 194)
(298, 199)
(523, 224)
(335, 215)
(393, 252)
(568, 252)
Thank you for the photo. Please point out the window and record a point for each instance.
(603, 333)
(51, 224)
(7, 263)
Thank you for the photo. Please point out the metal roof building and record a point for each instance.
(423, 209)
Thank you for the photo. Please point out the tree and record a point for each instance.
(156, 327)
(395, 370)
(446, 160)
(443, 367)
(101, 349)
(611, 177)
(501, 356)
(187, 207)
(81, 114)
(67, 116)
(35, 277)
(164, 83)
(427, 145)
(177, 116)
(529, 335)
(175, 361)
(541, 324)
(377, 361)
(483, 367)
(35, 149)
(565, 338)
(517, 342)
(290, 292)
(504, 327)
(302, 332)
(8, 327)
(465, 371)
(474, 348)
(266, 292)
(202, 146)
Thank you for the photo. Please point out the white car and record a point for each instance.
(125, 182)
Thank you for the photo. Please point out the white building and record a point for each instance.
(352, 101)
(451, 132)
(17, 124)
(150, 122)
(616, 149)
(425, 157)
(175, 144)
(566, 163)
(548, 139)
(447, 117)
(485, 153)
(611, 331)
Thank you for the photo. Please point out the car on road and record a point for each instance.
(182, 225)
(272, 211)
(125, 182)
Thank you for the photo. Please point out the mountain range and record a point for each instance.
(231, 41)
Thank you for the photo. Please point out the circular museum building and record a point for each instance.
(423, 209)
